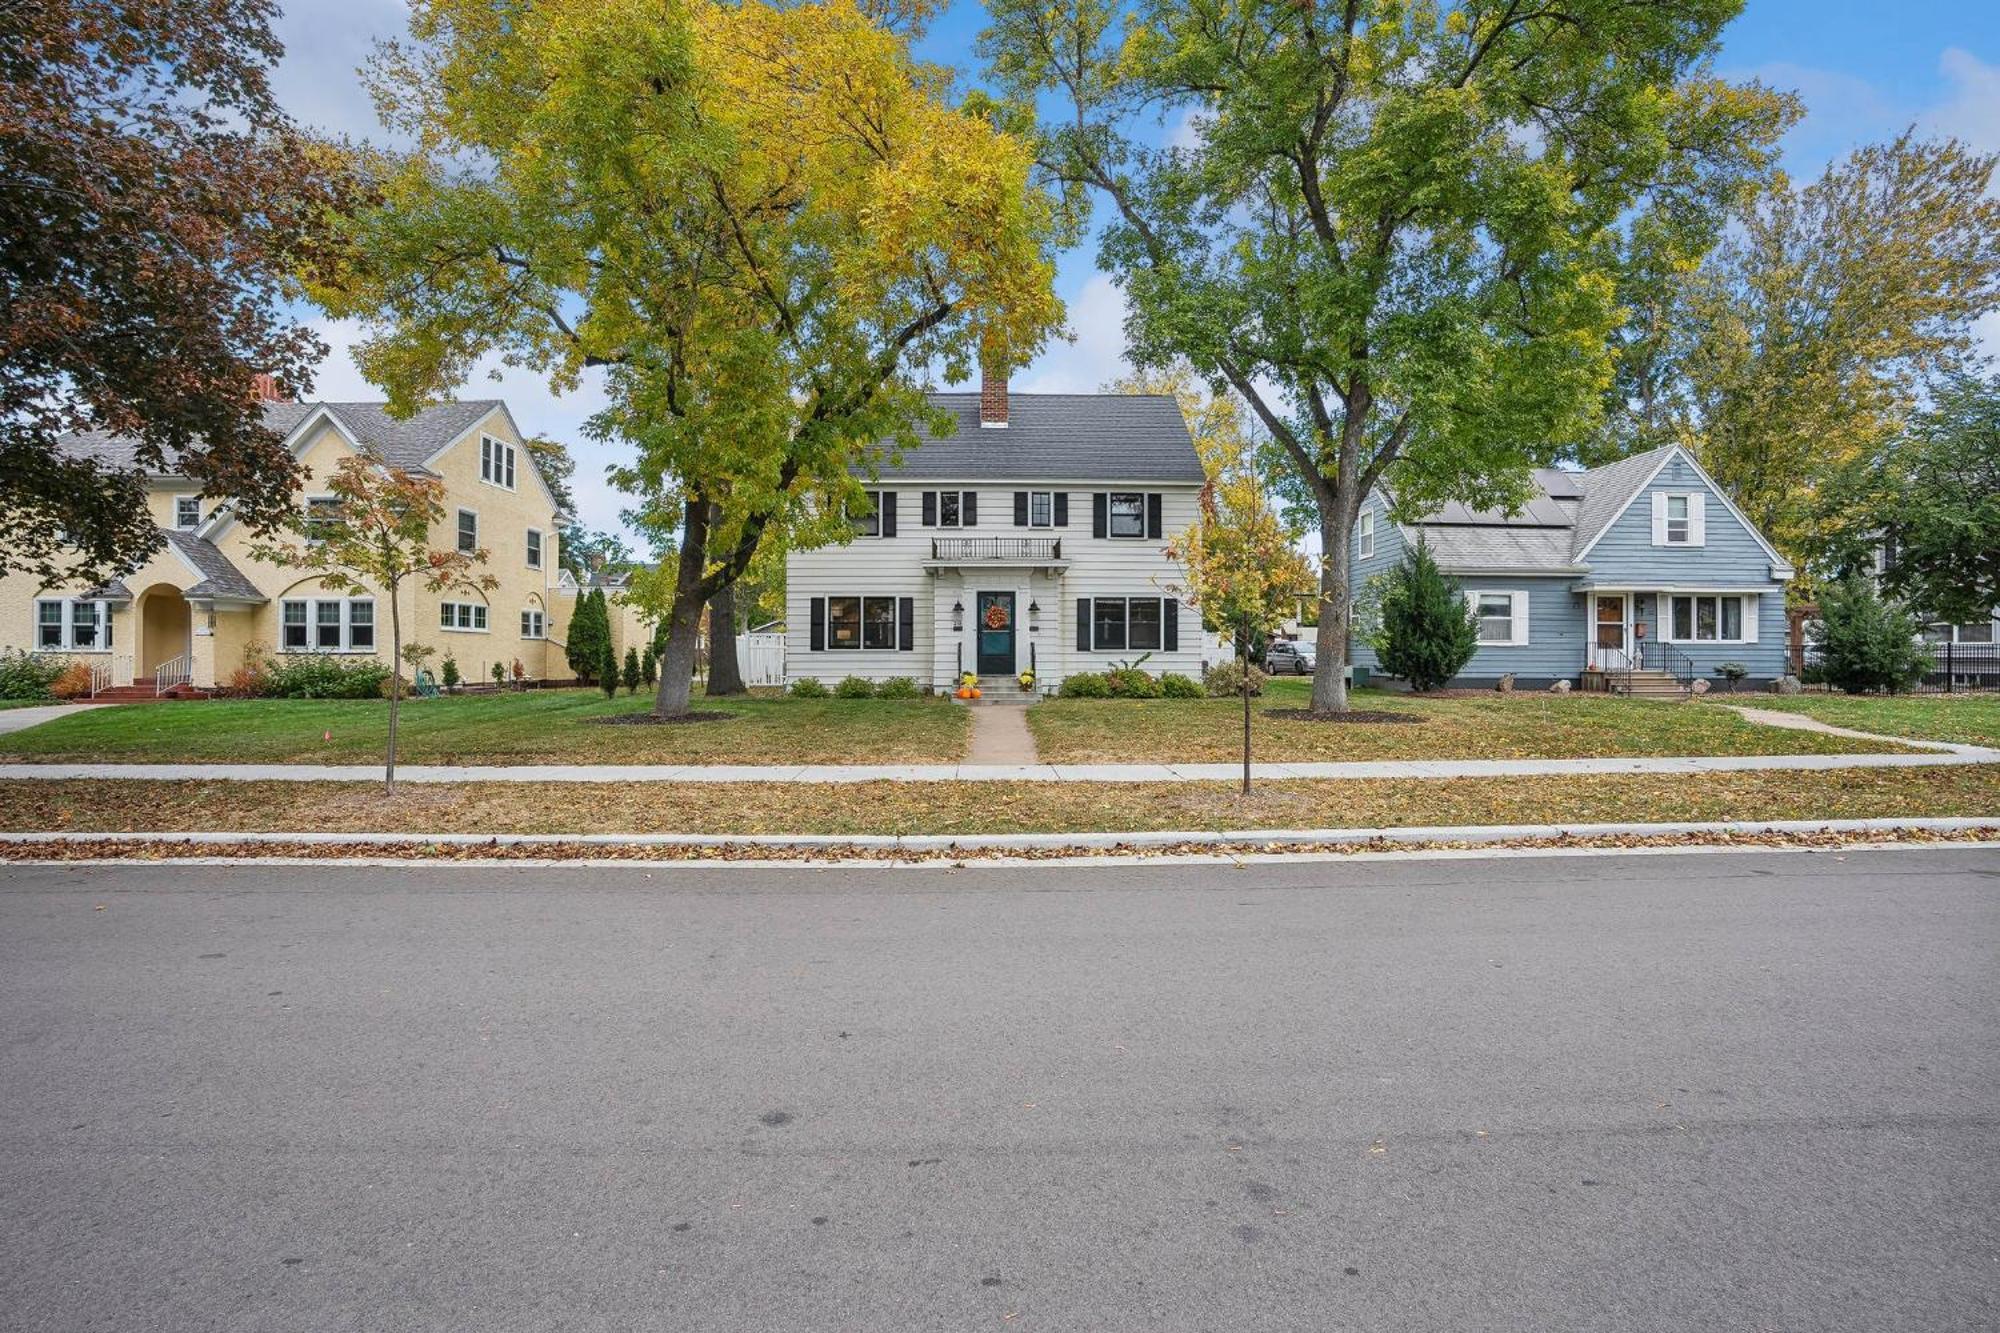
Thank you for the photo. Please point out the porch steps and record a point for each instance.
(142, 693)
(1648, 685)
(1004, 691)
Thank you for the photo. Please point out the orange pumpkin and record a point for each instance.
(977, 695)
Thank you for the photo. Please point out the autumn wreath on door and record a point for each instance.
(996, 616)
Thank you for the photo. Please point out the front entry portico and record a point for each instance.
(996, 634)
(166, 630)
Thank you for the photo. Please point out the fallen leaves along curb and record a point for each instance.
(168, 850)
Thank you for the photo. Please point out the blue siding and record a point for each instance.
(1765, 658)
(1554, 650)
(1730, 558)
(1389, 548)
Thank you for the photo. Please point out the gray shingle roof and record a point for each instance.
(1464, 546)
(404, 444)
(1607, 488)
(219, 578)
(1057, 437)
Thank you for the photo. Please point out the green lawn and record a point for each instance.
(1488, 726)
(552, 726)
(1964, 719)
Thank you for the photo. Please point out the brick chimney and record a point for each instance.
(265, 388)
(992, 397)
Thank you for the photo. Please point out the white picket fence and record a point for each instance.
(762, 658)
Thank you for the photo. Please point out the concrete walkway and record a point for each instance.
(1000, 736)
(1426, 769)
(20, 719)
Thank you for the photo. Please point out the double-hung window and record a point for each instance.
(867, 516)
(463, 617)
(531, 625)
(1126, 623)
(322, 516)
(1128, 514)
(951, 509)
(843, 622)
(496, 462)
(327, 625)
(1367, 537)
(534, 548)
(468, 532)
(1496, 617)
(70, 623)
(1695, 618)
(187, 511)
(1041, 509)
(1680, 524)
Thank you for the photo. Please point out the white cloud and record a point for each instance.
(1972, 112)
(1096, 352)
(1185, 132)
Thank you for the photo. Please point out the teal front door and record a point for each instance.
(996, 633)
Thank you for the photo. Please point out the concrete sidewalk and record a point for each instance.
(824, 773)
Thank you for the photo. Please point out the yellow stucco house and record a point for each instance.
(202, 605)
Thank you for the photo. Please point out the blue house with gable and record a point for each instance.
(1638, 577)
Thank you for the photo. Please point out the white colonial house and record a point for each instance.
(1032, 536)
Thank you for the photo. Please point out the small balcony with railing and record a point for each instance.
(993, 552)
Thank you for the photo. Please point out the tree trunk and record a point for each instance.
(684, 620)
(395, 688)
(1329, 692)
(725, 673)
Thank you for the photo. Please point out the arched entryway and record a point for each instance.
(166, 628)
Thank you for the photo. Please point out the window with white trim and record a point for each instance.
(534, 549)
(1680, 521)
(1041, 509)
(1496, 617)
(462, 617)
(468, 532)
(326, 625)
(1128, 514)
(950, 508)
(496, 462)
(866, 517)
(1125, 623)
(72, 624)
(1698, 618)
(1367, 540)
(322, 515)
(531, 625)
(187, 511)
(860, 622)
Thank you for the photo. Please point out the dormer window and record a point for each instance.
(496, 462)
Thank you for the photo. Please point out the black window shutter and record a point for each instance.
(819, 624)
(1153, 514)
(1170, 628)
(888, 524)
(968, 509)
(1100, 514)
(1062, 509)
(1083, 624)
(930, 509)
(906, 624)
(1020, 509)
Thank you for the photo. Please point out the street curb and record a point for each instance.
(1003, 842)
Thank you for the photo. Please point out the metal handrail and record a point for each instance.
(1672, 661)
(100, 678)
(173, 672)
(996, 548)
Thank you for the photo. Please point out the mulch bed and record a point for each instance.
(652, 720)
(1355, 715)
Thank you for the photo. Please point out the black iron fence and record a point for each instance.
(1956, 667)
(1029, 549)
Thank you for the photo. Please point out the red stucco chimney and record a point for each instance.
(993, 397)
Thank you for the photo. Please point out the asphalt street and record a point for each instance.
(1734, 1092)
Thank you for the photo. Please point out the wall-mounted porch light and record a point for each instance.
(1034, 616)
(957, 616)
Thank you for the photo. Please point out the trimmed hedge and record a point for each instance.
(898, 687)
(854, 687)
(807, 688)
(1173, 685)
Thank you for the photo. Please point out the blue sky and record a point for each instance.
(1865, 71)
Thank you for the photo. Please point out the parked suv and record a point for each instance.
(1283, 655)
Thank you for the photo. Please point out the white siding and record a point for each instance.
(894, 566)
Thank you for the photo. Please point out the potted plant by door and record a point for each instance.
(968, 686)
(1027, 679)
